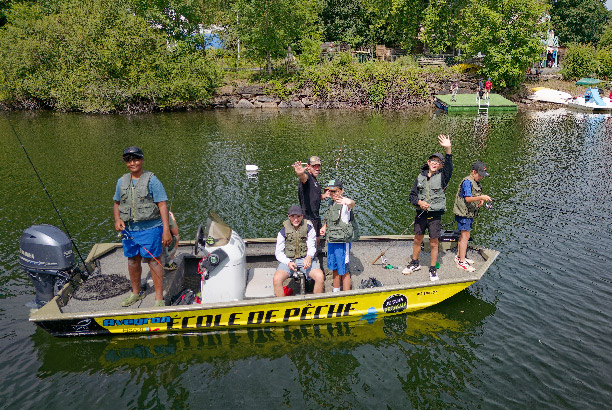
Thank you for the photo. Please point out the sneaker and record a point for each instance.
(465, 266)
(159, 303)
(468, 260)
(130, 299)
(433, 273)
(413, 266)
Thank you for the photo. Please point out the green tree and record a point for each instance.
(98, 58)
(396, 22)
(345, 21)
(604, 60)
(441, 26)
(508, 33)
(579, 21)
(606, 36)
(580, 61)
(268, 27)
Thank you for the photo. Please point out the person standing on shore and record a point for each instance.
(429, 198)
(141, 215)
(309, 191)
(488, 88)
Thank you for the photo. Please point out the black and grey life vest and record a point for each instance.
(295, 239)
(464, 208)
(338, 230)
(136, 202)
(431, 191)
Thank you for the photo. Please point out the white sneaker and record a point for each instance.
(465, 266)
(413, 266)
(433, 274)
(469, 261)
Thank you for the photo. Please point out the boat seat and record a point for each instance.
(259, 283)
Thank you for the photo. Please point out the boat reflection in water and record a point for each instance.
(459, 317)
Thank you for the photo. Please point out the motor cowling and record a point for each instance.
(45, 252)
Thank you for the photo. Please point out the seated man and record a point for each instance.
(295, 249)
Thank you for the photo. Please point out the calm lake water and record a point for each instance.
(533, 333)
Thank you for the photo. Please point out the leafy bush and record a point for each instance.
(579, 61)
(604, 58)
(311, 51)
(100, 58)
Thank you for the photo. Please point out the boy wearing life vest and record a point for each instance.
(338, 230)
(468, 201)
(295, 249)
(429, 198)
(141, 215)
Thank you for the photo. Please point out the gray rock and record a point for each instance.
(307, 101)
(267, 99)
(225, 90)
(243, 103)
(250, 89)
(297, 104)
(284, 104)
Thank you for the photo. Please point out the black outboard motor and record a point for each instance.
(46, 254)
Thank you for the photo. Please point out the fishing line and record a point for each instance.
(127, 236)
(339, 155)
(48, 195)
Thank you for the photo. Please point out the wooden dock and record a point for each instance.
(468, 103)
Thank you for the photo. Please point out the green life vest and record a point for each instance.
(337, 230)
(136, 202)
(431, 191)
(464, 208)
(295, 239)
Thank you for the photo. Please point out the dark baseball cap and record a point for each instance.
(481, 168)
(335, 183)
(437, 155)
(133, 151)
(295, 210)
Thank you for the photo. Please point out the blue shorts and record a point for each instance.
(465, 224)
(314, 264)
(150, 239)
(338, 257)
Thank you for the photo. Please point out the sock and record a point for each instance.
(336, 290)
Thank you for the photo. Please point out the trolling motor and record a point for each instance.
(45, 252)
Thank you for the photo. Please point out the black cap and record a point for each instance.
(335, 183)
(481, 168)
(437, 155)
(133, 151)
(295, 210)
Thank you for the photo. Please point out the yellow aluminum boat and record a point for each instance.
(236, 289)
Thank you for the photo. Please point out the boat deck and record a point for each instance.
(261, 266)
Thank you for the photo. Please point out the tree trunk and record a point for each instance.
(269, 62)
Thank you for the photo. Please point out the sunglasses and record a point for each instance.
(130, 158)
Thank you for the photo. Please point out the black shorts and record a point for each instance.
(316, 222)
(432, 223)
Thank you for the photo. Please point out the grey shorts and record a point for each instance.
(431, 223)
(300, 263)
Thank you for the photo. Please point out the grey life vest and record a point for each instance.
(136, 202)
(431, 191)
(295, 239)
(464, 208)
(338, 230)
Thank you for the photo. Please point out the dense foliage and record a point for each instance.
(98, 58)
(584, 60)
(579, 21)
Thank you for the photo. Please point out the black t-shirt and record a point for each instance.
(309, 195)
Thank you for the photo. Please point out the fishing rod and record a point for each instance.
(48, 195)
(126, 235)
(403, 233)
(339, 155)
(173, 190)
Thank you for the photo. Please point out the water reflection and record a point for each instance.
(335, 354)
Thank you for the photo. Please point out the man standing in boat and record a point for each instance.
(295, 249)
(309, 191)
(141, 215)
(429, 198)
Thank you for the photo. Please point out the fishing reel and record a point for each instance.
(489, 205)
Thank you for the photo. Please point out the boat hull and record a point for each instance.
(366, 304)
